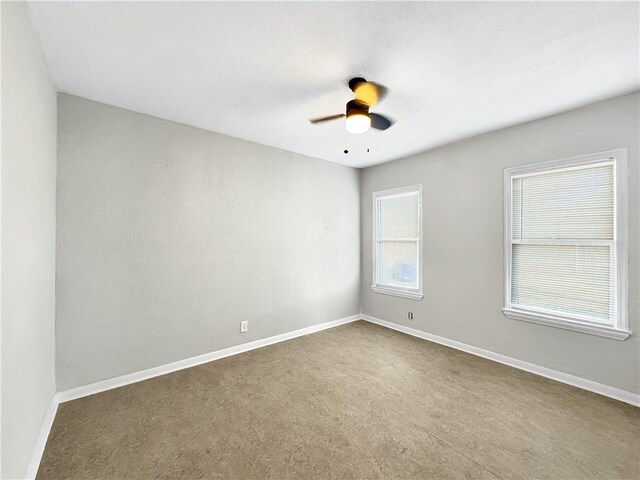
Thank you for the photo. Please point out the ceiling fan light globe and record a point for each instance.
(357, 123)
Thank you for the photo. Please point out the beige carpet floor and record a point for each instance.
(356, 401)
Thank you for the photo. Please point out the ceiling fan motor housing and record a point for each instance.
(356, 107)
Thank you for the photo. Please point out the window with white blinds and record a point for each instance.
(561, 244)
(397, 245)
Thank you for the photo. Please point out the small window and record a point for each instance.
(397, 249)
(565, 244)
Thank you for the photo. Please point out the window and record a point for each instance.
(397, 242)
(565, 244)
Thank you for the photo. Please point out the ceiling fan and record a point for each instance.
(359, 120)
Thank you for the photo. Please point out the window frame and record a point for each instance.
(619, 330)
(396, 290)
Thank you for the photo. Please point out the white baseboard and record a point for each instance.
(607, 391)
(116, 382)
(41, 441)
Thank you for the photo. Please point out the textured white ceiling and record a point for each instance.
(258, 71)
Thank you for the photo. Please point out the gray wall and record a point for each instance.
(28, 239)
(169, 235)
(463, 209)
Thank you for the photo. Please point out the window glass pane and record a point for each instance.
(516, 208)
(569, 279)
(570, 204)
(399, 216)
(398, 264)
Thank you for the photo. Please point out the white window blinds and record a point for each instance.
(563, 242)
(397, 240)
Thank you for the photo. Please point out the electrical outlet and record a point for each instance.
(244, 326)
(410, 315)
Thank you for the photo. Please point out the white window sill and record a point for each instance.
(398, 293)
(559, 322)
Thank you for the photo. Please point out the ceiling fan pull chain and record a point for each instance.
(346, 147)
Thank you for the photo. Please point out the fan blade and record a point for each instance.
(369, 92)
(380, 122)
(326, 119)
